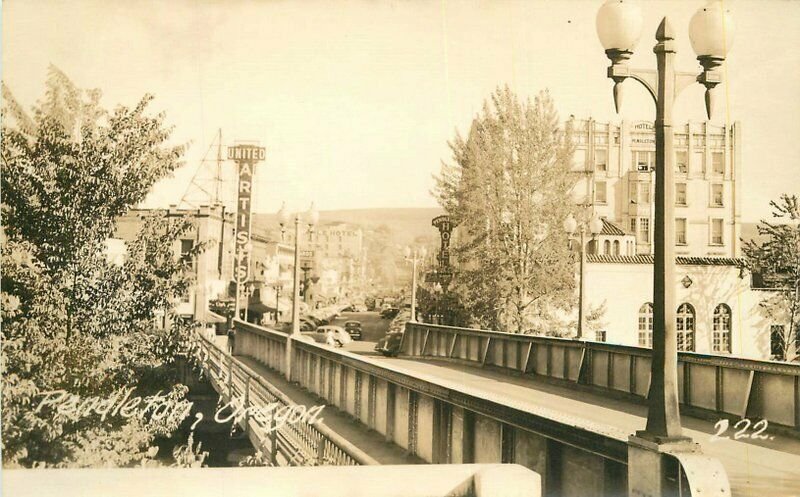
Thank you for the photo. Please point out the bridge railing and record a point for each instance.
(290, 443)
(708, 384)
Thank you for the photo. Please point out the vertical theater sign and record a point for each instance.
(245, 157)
(445, 227)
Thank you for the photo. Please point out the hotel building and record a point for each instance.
(616, 162)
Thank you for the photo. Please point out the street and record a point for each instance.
(372, 326)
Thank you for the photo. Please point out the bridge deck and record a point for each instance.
(755, 467)
(371, 442)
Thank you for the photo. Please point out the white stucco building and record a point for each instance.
(717, 309)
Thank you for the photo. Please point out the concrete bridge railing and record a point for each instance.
(709, 385)
(245, 394)
(447, 423)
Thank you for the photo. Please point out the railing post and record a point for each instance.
(230, 378)
(247, 404)
(273, 439)
(320, 450)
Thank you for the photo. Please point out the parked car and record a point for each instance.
(389, 345)
(354, 329)
(325, 338)
(359, 308)
(389, 313)
(339, 333)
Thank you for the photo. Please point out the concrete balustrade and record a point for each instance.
(446, 423)
(709, 385)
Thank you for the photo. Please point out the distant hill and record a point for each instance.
(405, 224)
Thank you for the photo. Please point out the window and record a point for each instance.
(616, 247)
(680, 231)
(600, 336)
(607, 247)
(717, 163)
(600, 192)
(633, 225)
(716, 195)
(681, 161)
(646, 325)
(633, 189)
(601, 159)
(685, 327)
(186, 297)
(186, 249)
(680, 194)
(699, 161)
(777, 341)
(644, 230)
(644, 193)
(721, 330)
(644, 161)
(716, 232)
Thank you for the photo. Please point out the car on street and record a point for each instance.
(354, 329)
(324, 338)
(389, 313)
(389, 345)
(339, 333)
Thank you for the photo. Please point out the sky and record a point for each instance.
(355, 101)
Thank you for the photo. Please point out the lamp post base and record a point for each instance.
(662, 467)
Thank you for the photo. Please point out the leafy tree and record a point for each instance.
(508, 189)
(776, 259)
(71, 319)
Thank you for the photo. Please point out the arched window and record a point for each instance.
(616, 247)
(607, 247)
(685, 327)
(646, 325)
(721, 330)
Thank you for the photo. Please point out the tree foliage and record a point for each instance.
(71, 319)
(508, 189)
(776, 260)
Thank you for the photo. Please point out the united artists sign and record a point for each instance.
(245, 157)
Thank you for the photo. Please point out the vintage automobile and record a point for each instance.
(389, 345)
(324, 336)
(339, 333)
(354, 329)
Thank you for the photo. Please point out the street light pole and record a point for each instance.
(283, 217)
(594, 226)
(414, 256)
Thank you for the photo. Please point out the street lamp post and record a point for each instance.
(278, 289)
(414, 256)
(594, 227)
(283, 218)
(619, 25)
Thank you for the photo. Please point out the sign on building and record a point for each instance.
(245, 157)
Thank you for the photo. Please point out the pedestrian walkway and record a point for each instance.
(755, 468)
(369, 441)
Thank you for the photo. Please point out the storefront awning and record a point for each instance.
(259, 308)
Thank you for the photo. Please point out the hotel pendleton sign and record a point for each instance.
(245, 157)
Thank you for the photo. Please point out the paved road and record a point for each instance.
(755, 469)
(373, 328)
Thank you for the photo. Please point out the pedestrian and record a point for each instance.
(231, 339)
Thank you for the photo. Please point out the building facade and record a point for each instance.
(718, 309)
(615, 166)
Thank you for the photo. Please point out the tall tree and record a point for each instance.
(776, 259)
(508, 189)
(71, 319)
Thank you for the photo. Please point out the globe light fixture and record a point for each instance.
(570, 225)
(596, 225)
(619, 26)
(711, 33)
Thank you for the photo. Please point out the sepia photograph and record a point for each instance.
(400, 248)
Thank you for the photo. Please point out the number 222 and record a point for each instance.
(741, 431)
